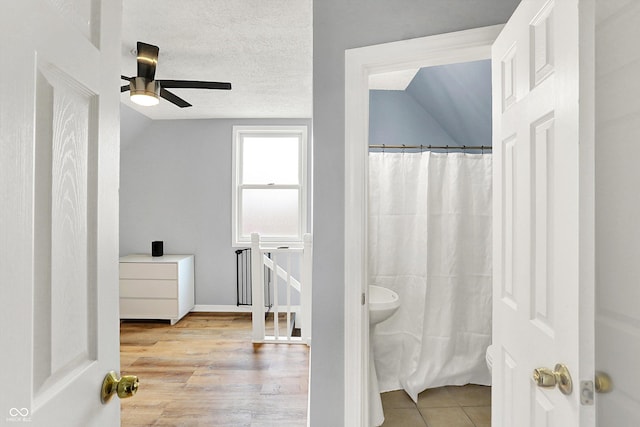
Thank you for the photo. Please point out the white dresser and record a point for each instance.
(156, 287)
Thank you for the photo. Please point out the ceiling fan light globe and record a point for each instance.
(144, 100)
(144, 92)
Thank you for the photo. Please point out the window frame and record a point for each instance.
(271, 131)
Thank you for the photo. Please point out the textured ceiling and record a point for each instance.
(264, 48)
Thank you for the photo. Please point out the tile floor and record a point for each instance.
(451, 406)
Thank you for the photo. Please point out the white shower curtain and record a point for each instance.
(430, 241)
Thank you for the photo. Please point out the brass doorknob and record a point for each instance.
(545, 377)
(603, 382)
(124, 387)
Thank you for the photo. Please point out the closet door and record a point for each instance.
(543, 215)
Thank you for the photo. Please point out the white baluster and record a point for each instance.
(289, 295)
(275, 307)
(257, 289)
(306, 288)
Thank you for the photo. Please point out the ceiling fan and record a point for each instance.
(146, 91)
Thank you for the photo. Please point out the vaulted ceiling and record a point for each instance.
(440, 105)
(458, 97)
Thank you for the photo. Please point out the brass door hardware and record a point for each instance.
(545, 377)
(124, 387)
(603, 382)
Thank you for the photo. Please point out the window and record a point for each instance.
(269, 176)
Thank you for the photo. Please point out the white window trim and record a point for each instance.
(239, 132)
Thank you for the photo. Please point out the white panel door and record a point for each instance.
(543, 211)
(59, 121)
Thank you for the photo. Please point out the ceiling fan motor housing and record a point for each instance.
(143, 86)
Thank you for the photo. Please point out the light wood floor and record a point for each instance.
(204, 371)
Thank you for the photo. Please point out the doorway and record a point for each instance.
(360, 64)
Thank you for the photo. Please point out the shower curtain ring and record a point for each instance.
(383, 145)
(403, 147)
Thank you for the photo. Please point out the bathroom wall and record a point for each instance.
(396, 118)
(442, 105)
(340, 25)
(175, 186)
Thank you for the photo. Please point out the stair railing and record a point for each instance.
(280, 262)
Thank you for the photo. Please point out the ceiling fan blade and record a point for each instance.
(147, 60)
(194, 84)
(173, 98)
(124, 88)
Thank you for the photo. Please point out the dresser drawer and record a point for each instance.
(156, 287)
(141, 270)
(145, 308)
(138, 288)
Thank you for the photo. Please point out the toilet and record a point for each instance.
(489, 357)
(383, 302)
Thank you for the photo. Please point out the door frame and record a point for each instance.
(462, 46)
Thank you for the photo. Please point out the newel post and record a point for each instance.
(306, 288)
(257, 289)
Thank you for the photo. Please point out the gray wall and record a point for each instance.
(617, 209)
(443, 105)
(132, 126)
(175, 186)
(340, 25)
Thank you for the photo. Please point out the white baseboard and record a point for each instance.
(207, 308)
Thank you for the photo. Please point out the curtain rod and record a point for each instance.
(432, 147)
